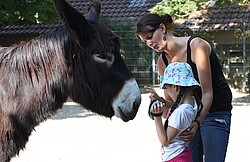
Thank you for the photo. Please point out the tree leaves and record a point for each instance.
(182, 8)
(175, 8)
(27, 12)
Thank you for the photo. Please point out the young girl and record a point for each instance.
(179, 82)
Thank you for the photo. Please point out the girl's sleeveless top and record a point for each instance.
(222, 95)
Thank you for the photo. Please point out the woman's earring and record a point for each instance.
(164, 37)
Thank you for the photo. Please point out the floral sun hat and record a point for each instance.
(180, 74)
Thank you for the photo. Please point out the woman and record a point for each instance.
(211, 138)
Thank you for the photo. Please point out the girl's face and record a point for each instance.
(154, 40)
(172, 91)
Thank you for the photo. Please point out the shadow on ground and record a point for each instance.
(242, 101)
(71, 110)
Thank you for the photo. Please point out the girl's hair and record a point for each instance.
(150, 22)
(178, 100)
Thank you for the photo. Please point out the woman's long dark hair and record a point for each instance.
(178, 100)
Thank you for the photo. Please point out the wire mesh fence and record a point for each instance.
(234, 55)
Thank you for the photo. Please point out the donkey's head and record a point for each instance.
(100, 80)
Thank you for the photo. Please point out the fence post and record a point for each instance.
(244, 54)
(153, 67)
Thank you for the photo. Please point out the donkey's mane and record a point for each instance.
(32, 59)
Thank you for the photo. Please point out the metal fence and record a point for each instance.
(140, 59)
(234, 58)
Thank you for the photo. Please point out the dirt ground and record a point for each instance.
(76, 135)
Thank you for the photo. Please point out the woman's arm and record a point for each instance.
(200, 56)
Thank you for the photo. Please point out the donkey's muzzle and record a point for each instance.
(128, 101)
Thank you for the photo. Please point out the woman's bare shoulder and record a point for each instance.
(199, 44)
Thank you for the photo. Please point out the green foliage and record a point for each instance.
(27, 12)
(238, 33)
(182, 8)
(175, 8)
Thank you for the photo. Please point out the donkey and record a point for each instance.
(81, 60)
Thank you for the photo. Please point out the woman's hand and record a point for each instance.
(189, 134)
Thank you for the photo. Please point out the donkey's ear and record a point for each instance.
(74, 20)
(94, 11)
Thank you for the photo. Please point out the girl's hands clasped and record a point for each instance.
(157, 108)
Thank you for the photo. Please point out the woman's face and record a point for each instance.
(154, 40)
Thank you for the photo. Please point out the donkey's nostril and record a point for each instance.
(136, 105)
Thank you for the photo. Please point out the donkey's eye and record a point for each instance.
(104, 58)
(101, 56)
